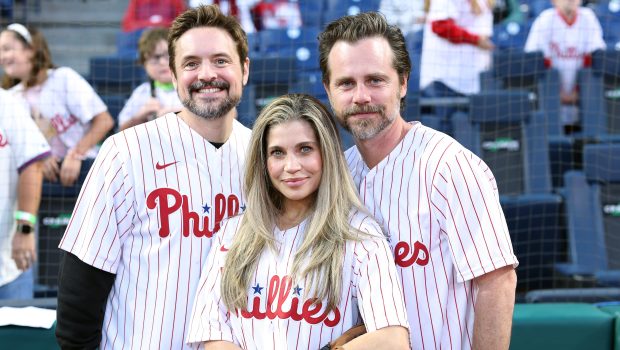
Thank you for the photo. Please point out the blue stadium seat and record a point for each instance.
(538, 235)
(311, 12)
(115, 103)
(339, 8)
(127, 43)
(246, 110)
(115, 75)
(510, 35)
(278, 41)
(593, 216)
(505, 131)
(599, 92)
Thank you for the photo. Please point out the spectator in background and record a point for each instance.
(567, 35)
(157, 96)
(65, 107)
(141, 14)
(240, 9)
(22, 150)
(408, 15)
(455, 49)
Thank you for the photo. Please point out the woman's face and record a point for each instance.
(15, 56)
(294, 162)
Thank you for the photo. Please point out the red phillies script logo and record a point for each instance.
(277, 293)
(169, 201)
(61, 125)
(404, 259)
(3, 141)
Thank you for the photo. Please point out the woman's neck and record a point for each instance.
(292, 215)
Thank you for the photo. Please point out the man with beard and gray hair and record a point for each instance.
(154, 198)
(437, 201)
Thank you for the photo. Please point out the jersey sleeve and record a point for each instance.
(82, 100)
(133, 104)
(465, 195)
(595, 32)
(210, 319)
(441, 10)
(102, 217)
(379, 291)
(534, 41)
(28, 143)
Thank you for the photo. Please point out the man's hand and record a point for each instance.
(485, 43)
(23, 250)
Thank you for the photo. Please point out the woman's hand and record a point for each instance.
(51, 169)
(70, 168)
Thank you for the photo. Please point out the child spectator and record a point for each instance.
(157, 96)
(67, 110)
(567, 35)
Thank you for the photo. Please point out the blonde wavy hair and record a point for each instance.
(319, 258)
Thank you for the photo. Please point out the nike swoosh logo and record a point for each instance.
(164, 166)
(223, 249)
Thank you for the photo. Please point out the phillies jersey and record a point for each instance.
(21, 145)
(440, 206)
(565, 43)
(147, 212)
(66, 103)
(279, 314)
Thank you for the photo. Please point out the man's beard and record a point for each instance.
(365, 129)
(208, 109)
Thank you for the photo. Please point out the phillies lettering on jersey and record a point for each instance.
(281, 313)
(3, 140)
(278, 293)
(148, 212)
(439, 203)
(159, 199)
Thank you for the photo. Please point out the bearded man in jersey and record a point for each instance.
(437, 201)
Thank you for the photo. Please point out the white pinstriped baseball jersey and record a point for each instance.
(279, 315)
(566, 43)
(147, 212)
(440, 205)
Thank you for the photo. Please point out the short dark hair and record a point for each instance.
(206, 16)
(361, 26)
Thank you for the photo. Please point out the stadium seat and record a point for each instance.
(341, 8)
(115, 75)
(538, 235)
(246, 110)
(513, 69)
(115, 103)
(599, 96)
(55, 210)
(510, 35)
(127, 43)
(311, 12)
(502, 128)
(593, 217)
(277, 41)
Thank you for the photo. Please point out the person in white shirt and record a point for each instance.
(157, 96)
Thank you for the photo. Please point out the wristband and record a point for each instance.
(22, 215)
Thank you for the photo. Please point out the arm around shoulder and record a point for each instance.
(392, 337)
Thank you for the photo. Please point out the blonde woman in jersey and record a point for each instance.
(304, 262)
(67, 110)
